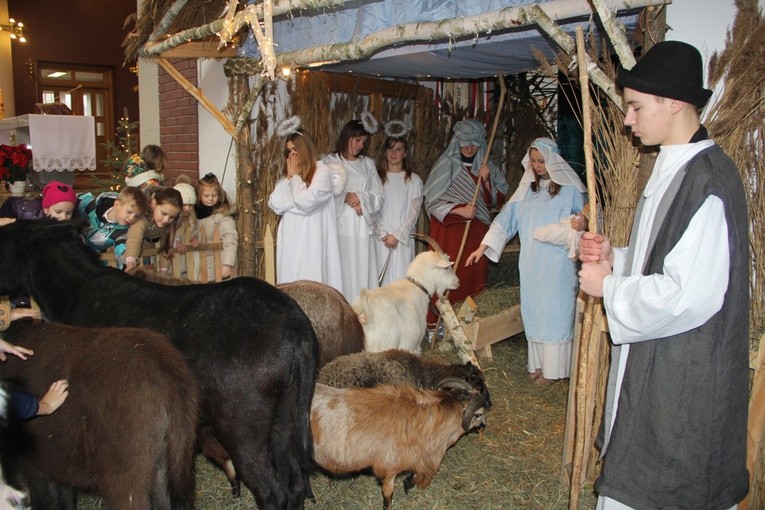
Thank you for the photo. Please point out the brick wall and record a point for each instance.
(178, 123)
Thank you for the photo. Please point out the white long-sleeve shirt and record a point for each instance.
(692, 287)
(690, 290)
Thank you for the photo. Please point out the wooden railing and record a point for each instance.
(193, 265)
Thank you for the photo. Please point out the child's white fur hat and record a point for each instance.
(188, 194)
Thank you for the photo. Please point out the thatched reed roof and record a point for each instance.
(193, 13)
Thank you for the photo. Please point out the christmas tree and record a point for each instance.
(118, 153)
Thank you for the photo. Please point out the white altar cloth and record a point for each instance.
(58, 142)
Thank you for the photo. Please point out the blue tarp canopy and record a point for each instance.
(510, 51)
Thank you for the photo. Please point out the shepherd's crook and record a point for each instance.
(587, 350)
(502, 92)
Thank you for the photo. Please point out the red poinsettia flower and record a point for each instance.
(15, 162)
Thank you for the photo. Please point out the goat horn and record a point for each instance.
(432, 242)
(476, 402)
(455, 383)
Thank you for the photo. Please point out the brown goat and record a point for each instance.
(391, 430)
(336, 324)
(127, 428)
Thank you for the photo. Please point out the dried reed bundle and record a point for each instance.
(268, 165)
(616, 160)
(736, 121)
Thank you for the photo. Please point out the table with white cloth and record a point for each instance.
(60, 144)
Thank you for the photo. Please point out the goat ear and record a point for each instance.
(444, 263)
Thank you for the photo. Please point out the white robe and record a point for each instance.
(402, 201)
(359, 259)
(548, 276)
(306, 241)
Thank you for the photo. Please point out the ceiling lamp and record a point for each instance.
(16, 29)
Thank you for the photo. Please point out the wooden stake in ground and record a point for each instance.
(756, 426)
(458, 259)
(453, 325)
(588, 348)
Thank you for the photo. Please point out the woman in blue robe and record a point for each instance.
(549, 191)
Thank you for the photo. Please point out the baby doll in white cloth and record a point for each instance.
(565, 232)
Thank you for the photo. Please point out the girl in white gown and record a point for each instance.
(306, 240)
(356, 209)
(402, 200)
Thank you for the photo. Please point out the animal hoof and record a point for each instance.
(236, 488)
(408, 483)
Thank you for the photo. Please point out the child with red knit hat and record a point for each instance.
(57, 202)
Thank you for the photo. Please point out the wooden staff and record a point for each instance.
(587, 348)
(502, 93)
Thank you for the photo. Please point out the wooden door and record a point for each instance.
(85, 91)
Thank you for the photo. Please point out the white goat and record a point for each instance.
(394, 316)
(392, 429)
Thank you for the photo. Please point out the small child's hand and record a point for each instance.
(16, 350)
(225, 272)
(194, 242)
(180, 248)
(25, 313)
(579, 222)
(53, 399)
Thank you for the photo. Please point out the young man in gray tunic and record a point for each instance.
(677, 302)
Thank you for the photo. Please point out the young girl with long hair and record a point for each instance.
(402, 200)
(549, 190)
(214, 210)
(165, 204)
(306, 239)
(356, 209)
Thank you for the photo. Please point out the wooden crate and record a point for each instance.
(483, 332)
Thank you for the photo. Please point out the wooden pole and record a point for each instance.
(198, 95)
(586, 357)
(458, 259)
(756, 426)
(269, 259)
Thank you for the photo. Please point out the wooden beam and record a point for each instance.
(198, 95)
(200, 49)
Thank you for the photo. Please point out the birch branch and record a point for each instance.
(450, 29)
(568, 45)
(452, 323)
(167, 19)
(155, 48)
(616, 34)
(265, 40)
(247, 108)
